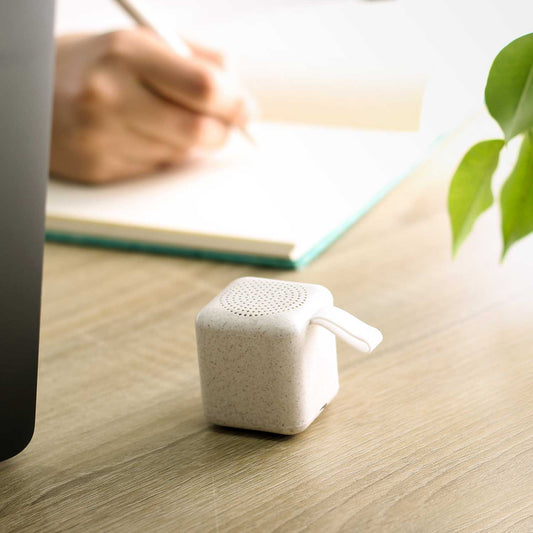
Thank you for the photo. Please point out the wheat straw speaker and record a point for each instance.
(267, 353)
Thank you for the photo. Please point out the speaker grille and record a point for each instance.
(261, 297)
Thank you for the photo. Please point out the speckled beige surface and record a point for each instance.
(262, 365)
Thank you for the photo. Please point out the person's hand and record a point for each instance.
(126, 104)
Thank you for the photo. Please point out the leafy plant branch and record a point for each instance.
(509, 100)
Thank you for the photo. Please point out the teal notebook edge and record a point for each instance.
(105, 242)
(255, 260)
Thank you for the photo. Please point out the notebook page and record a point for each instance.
(295, 187)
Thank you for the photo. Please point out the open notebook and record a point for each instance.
(278, 204)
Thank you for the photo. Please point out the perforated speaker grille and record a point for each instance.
(258, 297)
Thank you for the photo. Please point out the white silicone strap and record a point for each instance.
(349, 328)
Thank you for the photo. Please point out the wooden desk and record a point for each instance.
(432, 433)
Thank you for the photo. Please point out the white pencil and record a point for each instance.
(145, 18)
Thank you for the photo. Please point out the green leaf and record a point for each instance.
(509, 90)
(516, 198)
(470, 192)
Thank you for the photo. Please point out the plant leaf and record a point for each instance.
(470, 190)
(516, 198)
(509, 90)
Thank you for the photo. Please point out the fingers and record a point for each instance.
(184, 81)
(214, 57)
(120, 162)
(171, 124)
(126, 104)
(109, 152)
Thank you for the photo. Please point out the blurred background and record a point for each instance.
(371, 64)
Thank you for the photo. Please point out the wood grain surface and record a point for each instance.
(433, 432)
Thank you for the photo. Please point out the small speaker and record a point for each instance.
(267, 353)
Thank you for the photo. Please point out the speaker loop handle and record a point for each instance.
(347, 327)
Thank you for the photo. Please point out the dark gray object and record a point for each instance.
(26, 74)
